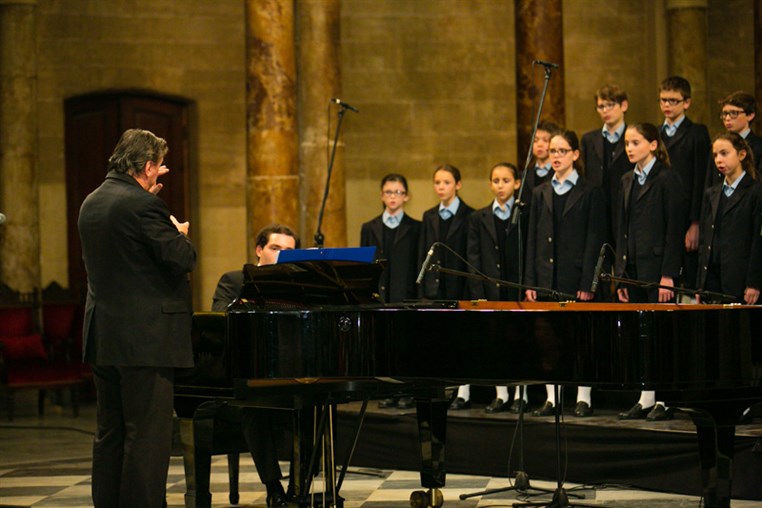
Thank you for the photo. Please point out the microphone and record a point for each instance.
(598, 269)
(426, 264)
(344, 105)
(546, 64)
(3, 218)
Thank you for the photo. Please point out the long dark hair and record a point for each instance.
(571, 138)
(651, 133)
(740, 144)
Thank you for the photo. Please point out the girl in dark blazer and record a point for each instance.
(650, 234)
(730, 248)
(493, 250)
(567, 227)
(395, 236)
(447, 223)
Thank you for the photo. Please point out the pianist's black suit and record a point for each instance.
(260, 427)
(739, 246)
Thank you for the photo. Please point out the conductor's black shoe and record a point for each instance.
(746, 419)
(583, 410)
(636, 412)
(546, 409)
(405, 403)
(277, 500)
(386, 403)
(659, 414)
(518, 406)
(460, 403)
(496, 406)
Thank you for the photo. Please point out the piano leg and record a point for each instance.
(197, 436)
(715, 441)
(432, 433)
(233, 473)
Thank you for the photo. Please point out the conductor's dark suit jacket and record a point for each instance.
(402, 257)
(483, 252)
(659, 231)
(457, 236)
(578, 241)
(741, 244)
(138, 309)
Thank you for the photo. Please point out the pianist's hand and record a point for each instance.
(751, 296)
(666, 295)
(584, 296)
(623, 296)
(531, 295)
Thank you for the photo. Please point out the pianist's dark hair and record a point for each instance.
(739, 144)
(394, 177)
(264, 234)
(135, 148)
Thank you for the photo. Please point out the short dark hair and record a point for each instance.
(741, 99)
(571, 137)
(264, 234)
(611, 93)
(549, 127)
(394, 177)
(135, 148)
(507, 165)
(455, 172)
(676, 84)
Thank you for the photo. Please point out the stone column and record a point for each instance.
(758, 50)
(272, 181)
(318, 25)
(686, 41)
(19, 197)
(539, 36)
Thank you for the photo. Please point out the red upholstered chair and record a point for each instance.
(31, 360)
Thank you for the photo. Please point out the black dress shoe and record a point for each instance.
(546, 409)
(583, 410)
(636, 412)
(518, 406)
(405, 403)
(460, 403)
(387, 403)
(746, 419)
(496, 406)
(277, 501)
(659, 414)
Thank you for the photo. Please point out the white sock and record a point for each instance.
(647, 399)
(517, 393)
(501, 392)
(658, 402)
(464, 392)
(551, 391)
(583, 395)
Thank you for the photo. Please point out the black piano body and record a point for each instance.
(706, 359)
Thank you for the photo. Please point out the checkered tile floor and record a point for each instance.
(66, 483)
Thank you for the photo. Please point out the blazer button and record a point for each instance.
(550, 239)
(498, 265)
(625, 236)
(705, 268)
(624, 258)
(551, 261)
(709, 248)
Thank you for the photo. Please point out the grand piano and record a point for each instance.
(308, 334)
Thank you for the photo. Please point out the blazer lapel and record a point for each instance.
(649, 181)
(618, 148)
(598, 146)
(737, 195)
(574, 196)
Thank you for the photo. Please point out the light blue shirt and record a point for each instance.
(729, 189)
(562, 188)
(745, 132)
(500, 213)
(670, 130)
(448, 211)
(643, 175)
(542, 171)
(615, 136)
(392, 221)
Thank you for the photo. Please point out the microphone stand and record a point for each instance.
(319, 238)
(650, 285)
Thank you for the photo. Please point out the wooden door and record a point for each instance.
(93, 126)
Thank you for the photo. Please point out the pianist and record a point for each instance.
(260, 426)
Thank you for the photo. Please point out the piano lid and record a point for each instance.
(327, 282)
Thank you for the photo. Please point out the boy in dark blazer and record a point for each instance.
(688, 145)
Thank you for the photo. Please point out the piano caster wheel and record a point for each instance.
(430, 499)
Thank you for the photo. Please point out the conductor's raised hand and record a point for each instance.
(182, 227)
(155, 188)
